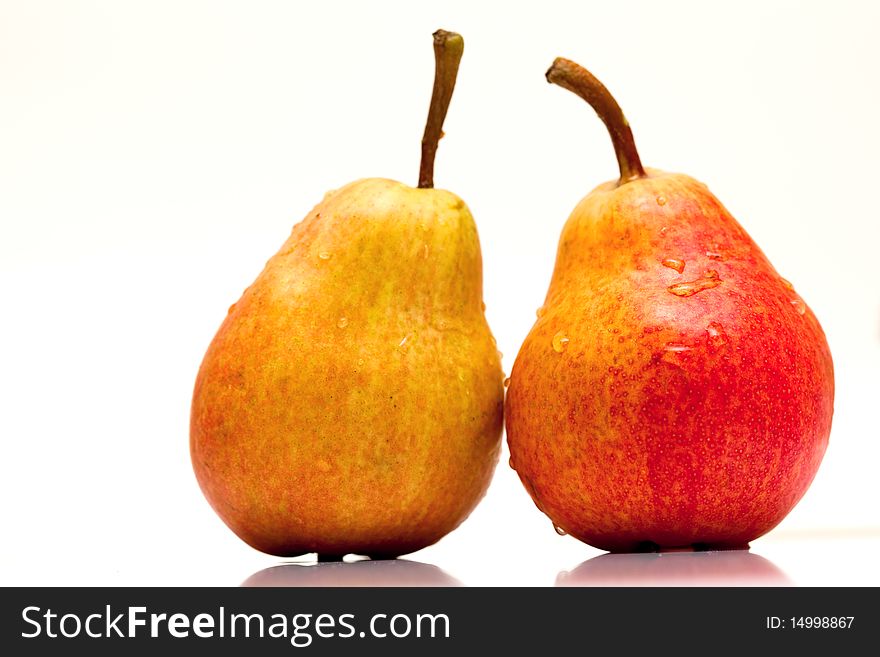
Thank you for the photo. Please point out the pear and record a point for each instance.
(675, 390)
(352, 399)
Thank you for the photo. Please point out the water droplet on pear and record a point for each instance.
(689, 288)
(675, 353)
(717, 336)
(674, 263)
(560, 342)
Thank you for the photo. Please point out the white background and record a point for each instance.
(154, 155)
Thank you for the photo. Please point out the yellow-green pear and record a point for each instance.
(352, 399)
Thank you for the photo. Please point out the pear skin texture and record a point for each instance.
(352, 400)
(656, 408)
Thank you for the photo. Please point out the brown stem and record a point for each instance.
(579, 80)
(448, 49)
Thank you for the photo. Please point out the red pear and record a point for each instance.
(675, 389)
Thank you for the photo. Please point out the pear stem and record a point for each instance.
(579, 80)
(448, 49)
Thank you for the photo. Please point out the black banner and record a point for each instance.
(432, 621)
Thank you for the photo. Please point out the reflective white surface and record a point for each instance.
(728, 568)
(394, 572)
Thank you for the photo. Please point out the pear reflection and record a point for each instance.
(367, 573)
(723, 568)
